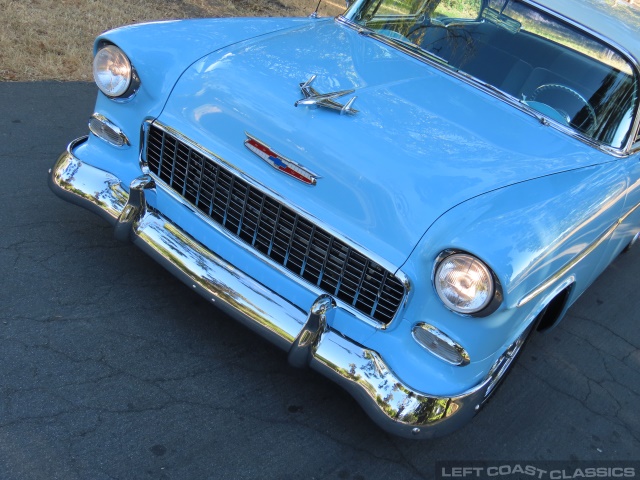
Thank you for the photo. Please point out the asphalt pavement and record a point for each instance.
(111, 368)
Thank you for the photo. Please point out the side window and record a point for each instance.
(467, 10)
(399, 7)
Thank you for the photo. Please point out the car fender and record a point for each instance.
(161, 51)
(538, 237)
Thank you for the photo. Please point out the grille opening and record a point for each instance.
(273, 229)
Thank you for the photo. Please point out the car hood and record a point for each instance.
(421, 143)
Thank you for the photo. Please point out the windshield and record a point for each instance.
(548, 65)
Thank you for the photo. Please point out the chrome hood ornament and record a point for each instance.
(313, 98)
(279, 162)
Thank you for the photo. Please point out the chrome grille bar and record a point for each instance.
(273, 229)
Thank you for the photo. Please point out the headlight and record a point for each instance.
(113, 73)
(464, 284)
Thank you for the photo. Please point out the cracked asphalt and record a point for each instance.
(111, 368)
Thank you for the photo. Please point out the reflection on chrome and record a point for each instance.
(135, 205)
(306, 333)
(316, 324)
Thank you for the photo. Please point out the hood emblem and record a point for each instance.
(279, 162)
(313, 98)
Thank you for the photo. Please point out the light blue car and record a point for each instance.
(397, 197)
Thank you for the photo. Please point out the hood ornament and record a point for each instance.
(279, 162)
(313, 98)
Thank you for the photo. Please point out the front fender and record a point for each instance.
(161, 51)
(530, 234)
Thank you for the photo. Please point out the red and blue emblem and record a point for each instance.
(279, 162)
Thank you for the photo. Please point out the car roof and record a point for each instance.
(619, 23)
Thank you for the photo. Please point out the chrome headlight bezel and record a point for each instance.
(494, 295)
(112, 65)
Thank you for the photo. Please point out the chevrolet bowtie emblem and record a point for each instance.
(313, 98)
(277, 161)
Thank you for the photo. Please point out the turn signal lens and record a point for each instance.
(440, 344)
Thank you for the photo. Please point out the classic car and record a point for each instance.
(398, 197)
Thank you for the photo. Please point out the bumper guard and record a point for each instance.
(307, 336)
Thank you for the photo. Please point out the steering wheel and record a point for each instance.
(569, 93)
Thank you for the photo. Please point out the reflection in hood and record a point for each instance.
(421, 142)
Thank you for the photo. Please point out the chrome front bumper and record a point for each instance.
(307, 336)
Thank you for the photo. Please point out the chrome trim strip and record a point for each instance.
(442, 65)
(575, 260)
(308, 336)
(404, 279)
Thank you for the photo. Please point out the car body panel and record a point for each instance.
(432, 162)
(379, 193)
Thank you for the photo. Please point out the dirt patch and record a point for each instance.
(52, 39)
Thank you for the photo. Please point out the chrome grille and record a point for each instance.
(273, 229)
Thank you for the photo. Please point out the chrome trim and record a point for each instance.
(110, 125)
(306, 334)
(391, 403)
(442, 65)
(465, 360)
(274, 193)
(402, 277)
(76, 182)
(313, 98)
(307, 339)
(131, 92)
(574, 261)
(136, 204)
(504, 362)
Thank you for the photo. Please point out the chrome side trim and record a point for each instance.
(575, 260)
(307, 335)
(376, 258)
